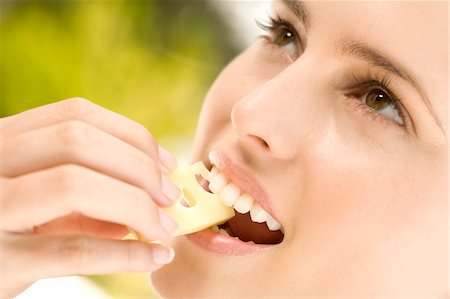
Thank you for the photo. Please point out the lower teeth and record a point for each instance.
(223, 232)
(215, 228)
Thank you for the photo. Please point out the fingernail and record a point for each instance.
(167, 222)
(166, 159)
(170, 189)
(163, 255)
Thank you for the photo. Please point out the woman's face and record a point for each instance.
(336, 124)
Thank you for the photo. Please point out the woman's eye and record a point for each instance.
(287, 40)
(283, 35)
(382, 103)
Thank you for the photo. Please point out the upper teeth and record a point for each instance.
(231, 195)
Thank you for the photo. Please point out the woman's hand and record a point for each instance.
(73, 177)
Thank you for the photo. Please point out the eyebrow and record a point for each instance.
(299, 10)
(349, 47)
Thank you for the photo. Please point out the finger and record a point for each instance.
(40, 197)
(77, 223)
(81, 109)
(52, 256)
(80, 143)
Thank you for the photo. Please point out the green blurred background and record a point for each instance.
(151, 61)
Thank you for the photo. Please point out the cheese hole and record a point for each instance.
(203, 183)
(188, 200)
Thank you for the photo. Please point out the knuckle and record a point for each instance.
(3, 258)
(76, 250)
(5, 147)
(146, 207)
(76, 132)
(130, 256)
(2, 127)
(145, 164)
(12, 256)
(147, 140)
(5, 193)
(137, 256)
(67, 173)
(8, 193)
(3, 246)
(76, 107)
(67, 178)
(152, 147)
(143, 200)
(151, 219)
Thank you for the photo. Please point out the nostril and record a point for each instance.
(259, 141)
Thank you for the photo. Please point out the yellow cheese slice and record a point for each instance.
(205, 209)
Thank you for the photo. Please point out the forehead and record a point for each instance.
(414, 33)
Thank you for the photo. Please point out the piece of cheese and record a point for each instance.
(205, 209)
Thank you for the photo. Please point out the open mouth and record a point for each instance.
(252, 223)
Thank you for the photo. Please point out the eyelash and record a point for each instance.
(372, 81)
(362, 85)
(276, 25)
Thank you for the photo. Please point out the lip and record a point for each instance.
(246, 181)
(242, 177)
(228, 246)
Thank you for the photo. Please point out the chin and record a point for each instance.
(199, 271)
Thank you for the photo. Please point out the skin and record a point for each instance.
(67, 201)
(363, 201)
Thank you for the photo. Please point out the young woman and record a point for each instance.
(332, 129)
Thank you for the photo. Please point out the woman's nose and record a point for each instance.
(280, 117)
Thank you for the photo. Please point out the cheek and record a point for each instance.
(357, 192)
